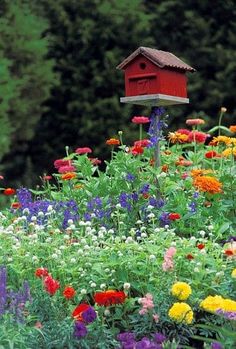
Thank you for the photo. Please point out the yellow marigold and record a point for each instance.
(228, 305)
(176, 137)
(212, 303)
(207, 184)
(181, 290)
(233, 274)
(199, 172)
(229, 151)
(233, 128)
(181, 312)
(221, 139)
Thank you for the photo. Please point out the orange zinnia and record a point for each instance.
(67, 176)
(176, 137)
(113, 141)
(207, 184)
(233, 128)
(199, 172)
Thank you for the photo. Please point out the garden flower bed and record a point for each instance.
(132, 257)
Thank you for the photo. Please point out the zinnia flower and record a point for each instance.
(181, 312)
(183, 162)
(220, 139)
(78, 311)
(16, 205)
(85, 150)
(95, 161)
(198, 137)
(200, 246)
(61, 162)
(69, 292)
(47, 178)
(193, 122)
(143, 143)
(51, 285)
(207, 184)
(113, 141)
(68, 176)
(176, 137)
(66, 169)
(109, 297)
(174, 216)
(137, 150)
(212, 154)
(41, 272)
(9, 191)
(232, 128)
(190, 256)
(181, 290)
(228, 152)
(140, 120)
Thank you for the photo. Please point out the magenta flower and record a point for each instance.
(84, 150)
(140, 120)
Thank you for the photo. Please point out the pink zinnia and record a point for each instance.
(66, 169)
(196, 136)
(95, 161)
(61, 162)
(183, 131)
(51, 285)
(193, 122)
(140, 120)
(143, 143)
(85, 150)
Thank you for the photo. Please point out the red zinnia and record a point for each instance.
(198, 137)
(140, 120)
(61, 162)
(9, 191)
(41, 272)
(200, 246)
(212, 154)
(69, 292)
(78, 311)
(143, 143)
(84, 150)
(137, 150)
(228, 252)
(189, 256)
(15, 205)
(174, 216)
(95, 161)
(109, 297)
(113, 141)
(51, 285)
(66, 169)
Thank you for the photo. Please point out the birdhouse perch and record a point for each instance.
(154, 78)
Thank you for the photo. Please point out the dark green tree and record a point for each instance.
(26, 77)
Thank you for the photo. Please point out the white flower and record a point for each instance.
(83, 291)
(152, 257)
(102, 286)
(93, 284)
(151, 215)
(26, 211)
(107, 270)
(129, 239)
(126, 286)
(196, 270)
(70, 221)
(50, 208)
(107, 312)
(54, 255)
(210, 227)
(66, 237)
(34, 258)
(33, 218)
(202, 233)
(73, 260)
(40, 214)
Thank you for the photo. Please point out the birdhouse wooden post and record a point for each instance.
(155, 78)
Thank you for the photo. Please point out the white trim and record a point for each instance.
(154, 100)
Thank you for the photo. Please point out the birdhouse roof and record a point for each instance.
(158, 57)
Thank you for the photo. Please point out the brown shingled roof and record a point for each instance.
(158, 57)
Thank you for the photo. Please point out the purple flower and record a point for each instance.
(164, 219)
(80, 330)
(156, 203)
(159, 337)
(192, 207)
(89, 315)
(155, 128)
(125, 337)
(3, 289)
(145, 188)
(129, 177)
(216, 345)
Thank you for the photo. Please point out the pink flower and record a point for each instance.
(95, 161)
(183, 131)
(84, 150)
(168, 263)
(143, 143)
(155, 317)
(196, 136)
(66, 169)
(193, 122)
(140, 120)
(61, 162)
(147, 303)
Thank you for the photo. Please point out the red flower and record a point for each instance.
(196, 136)
(174, 216)
(164, 168)
(110, 297)
(51, 285)
(60, 162)
(228, 252)
(184, 163)
(95, 161)
(212, 154)
(84, 150)
(113, 141)
(200, 246)
(146, 195)
(143, 143)
(15, 205)
(78, 311)
(41, 272)
(137, 150)
(66, 169)
(9, 191)
(189, 256)
(140, 120)
(69, 292)
(183, 131)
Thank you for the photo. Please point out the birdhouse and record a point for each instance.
(154, 77)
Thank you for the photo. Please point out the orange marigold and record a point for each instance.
(233, 128)
(176, 137)
(207, 184)
(67, 176)
(113, 141)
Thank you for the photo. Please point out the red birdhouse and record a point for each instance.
(154, 77)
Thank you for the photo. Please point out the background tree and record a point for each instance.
(26, 77)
